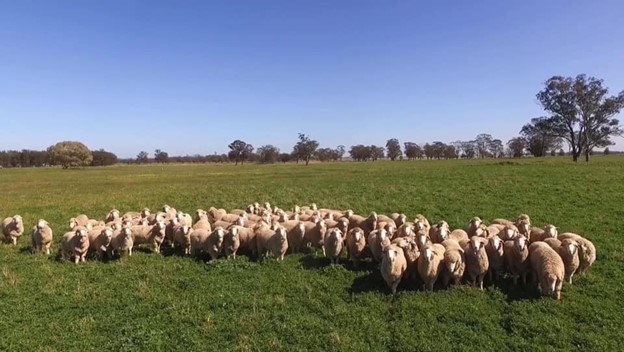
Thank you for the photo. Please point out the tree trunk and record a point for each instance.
(307, 161)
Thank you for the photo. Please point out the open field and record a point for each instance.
(154, 302)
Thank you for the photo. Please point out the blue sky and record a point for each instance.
(191, 76)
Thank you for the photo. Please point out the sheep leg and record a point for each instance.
(14, 239)
(76, 259)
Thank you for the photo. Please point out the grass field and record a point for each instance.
(160, 303)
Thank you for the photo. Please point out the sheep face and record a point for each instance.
(496, 243)
(422, 238)
(127, 232)
(41, 224)
(428, 254)
(17, 220)
(475, 222)
(481, 231)
(443, 232)
(408, 231)
(550, 231)
(282, 234)
(419, 225)
(107, 234)
(313, 206)
(509, 233)
(349, 213)
(72, 223)
(358, 235)
(145, 212)
(166, 208)
(392, 254)
(571, 246)
(521, 243)
(524, 227)
(114, 214)
(475, 245)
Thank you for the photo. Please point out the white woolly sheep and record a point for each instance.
(454, 262)
(367, 224)
(517, 258)
(586, 250)
(271, 240)
(333, 243)
(569, 253)
(182, 237)
(377, 241)
(399, 218)
(314, 235)
(41, 239)
(477, 263)
(75, 244)
(473, 225)
(12, 229)
(548, 268)
(430, 264)
(100, 240)
(393, 266)
(496, 257)
(537, 234)
(356, 243)
(411, 252)
(239, 238)
(122, 242)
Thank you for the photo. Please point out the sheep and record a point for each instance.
(439, 232)
(422, 239)
(549, 231)
(234, 217)
(184, 219)
(411, 252)
(356, 243)
(151, 234)
(100, 240)
(405, 230)
(239, 238)
(377, 241)
(477, 263)
(509, 233)
(419, 218)
(390, 228)
(41, 239)
(430, 264)
(314, 235)
(548, 268)
(517, 258)
(399, 218)
(384, 218)
(80, 220)
(586, 250)
(198, 240)
(504, 222)
(524, 226)
(568, 250)
(271, 240)
(112, 215)
(367, 224)
(213, 244)
(491, 230)
(215, 214)
(334, 242)
(169, 231)
(454, 262)
(182, 236)
(238, 212)
(12, 229)
(393, 266)
(473, 225)
(170, 211)
(202, 223)
(75, 244)
(154, 218)
(295, 231)
(121, 242)
(496, 257)
(342, 224)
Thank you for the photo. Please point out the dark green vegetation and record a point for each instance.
(151, 302)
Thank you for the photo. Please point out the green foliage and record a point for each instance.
(103, 158)
(70, 154)
(169, 302)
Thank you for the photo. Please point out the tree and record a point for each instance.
(103, 158)
(268, 154)
(483, 142)
(517, 145)
(413, 151)
(70, 154)
(285, 157)
(340, 151)
(429, 151)
(606, 151)
(582, 113)
(377, 152)
(394, 149)
(539, 137)
(449, 152)
(160, 156)
(142, 157)
(305, 148)
(496, 148)
(239, 151)
(360, 152)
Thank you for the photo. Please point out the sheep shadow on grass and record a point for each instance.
(371, 282)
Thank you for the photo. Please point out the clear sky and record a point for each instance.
(191, 76)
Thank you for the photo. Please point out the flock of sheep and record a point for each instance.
(415, 251)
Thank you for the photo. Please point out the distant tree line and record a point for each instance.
(65, 154)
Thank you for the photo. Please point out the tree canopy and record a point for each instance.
(240, 151)
(70, 154)
(305, 148)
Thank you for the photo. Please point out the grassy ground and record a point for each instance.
(154, 302)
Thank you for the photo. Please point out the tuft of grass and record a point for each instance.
(171, 302)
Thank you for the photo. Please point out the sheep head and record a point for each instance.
(72, 223)
(509, 233)
(496, 243)
(551, 231)
(476, 245)
(145, 212)
(524, 226)
(349, 213)
(428, 254)
(41, 224)
(281, 232)
(571, 246)
(521, 243)
(475, 222)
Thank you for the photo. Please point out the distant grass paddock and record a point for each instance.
(160, 303)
